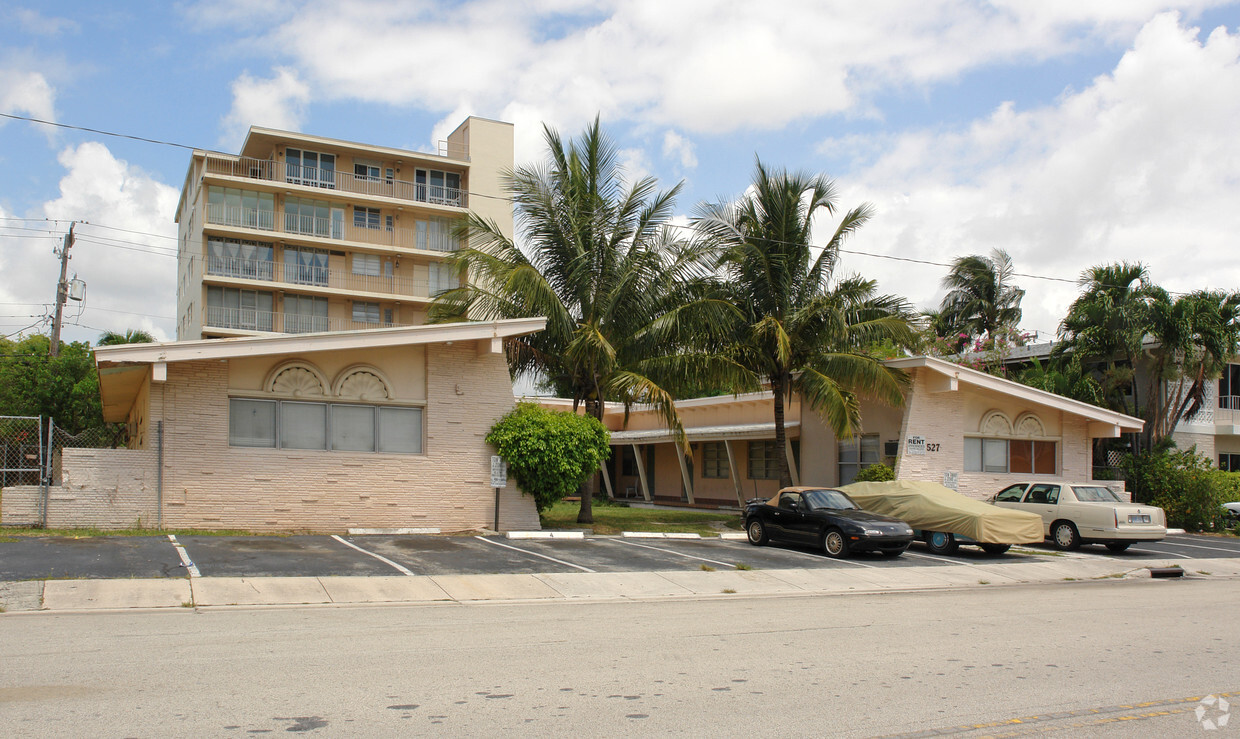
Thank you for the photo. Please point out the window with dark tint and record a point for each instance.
(788, 501)
(1010, 494)
(832, 499)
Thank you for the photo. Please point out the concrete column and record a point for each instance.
(736, 474)
(684, 475)
(792, 464)
(641, 472)
(607, 480)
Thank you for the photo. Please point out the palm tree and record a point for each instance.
(794, 328)
(131, 336)
(1107, 323)
(624, 302)
(1194, 339)
(981, 298)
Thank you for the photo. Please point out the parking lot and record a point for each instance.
(36, 558)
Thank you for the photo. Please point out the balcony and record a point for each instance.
(331, 280)
(247, 319)
(427, 236)
(331, 179)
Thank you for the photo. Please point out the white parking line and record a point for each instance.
(534, 554)
(908, 553)
(1148, 551)
(379, 557)
(1178, 543)
(190, 567)
(678, 554)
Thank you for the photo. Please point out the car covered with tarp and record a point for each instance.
(945, 519)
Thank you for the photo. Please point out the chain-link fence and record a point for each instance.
(21, 450)
(111, 436)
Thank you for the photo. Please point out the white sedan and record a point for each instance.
(1085, 513)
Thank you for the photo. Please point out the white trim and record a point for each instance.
(257, 346)
(1017, 390)
(751, 431)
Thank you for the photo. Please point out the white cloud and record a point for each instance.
(34, 22)
(23, 92)
(1139, 166)
(278, 102)
(680, 149)
(124, 271)
(695, 66)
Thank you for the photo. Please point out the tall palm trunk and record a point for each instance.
(594, 407)
(778, 385)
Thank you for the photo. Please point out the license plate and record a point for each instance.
(1138, 519)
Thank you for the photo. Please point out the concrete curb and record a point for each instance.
(60, 596)
(392, 532)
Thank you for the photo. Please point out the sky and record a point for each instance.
(1070, 133)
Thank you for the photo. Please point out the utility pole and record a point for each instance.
(62, 292)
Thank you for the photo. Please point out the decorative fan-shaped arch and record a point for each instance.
(362, 383)
(298, 379)
(995, 423)
(1028, 424)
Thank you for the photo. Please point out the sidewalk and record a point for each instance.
(211, 592)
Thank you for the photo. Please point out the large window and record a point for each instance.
(856, 454)
(435, 235)
(1229, 388)
(245, 309)
(435, 186)
(234, 258)
(715, 460)
(230, 206)
(763, 465)
(310, 168)
(306, 266)
(366, 217)
(366, 312)
(1019, 456)
(1229, 462)
(304, 314)
(314, 218)
(287, 424)
(442, 278)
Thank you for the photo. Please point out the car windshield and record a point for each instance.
(1092, 494)
(829, 499)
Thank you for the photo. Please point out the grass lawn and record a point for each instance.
(612, 519)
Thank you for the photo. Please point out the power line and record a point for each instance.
(95, 130)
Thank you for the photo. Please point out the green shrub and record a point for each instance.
(550, 453)
(876, 473)
(1182, 483)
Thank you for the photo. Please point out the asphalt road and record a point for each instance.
(32, 558)
(1072, 659)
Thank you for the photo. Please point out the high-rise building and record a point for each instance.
(299, 233)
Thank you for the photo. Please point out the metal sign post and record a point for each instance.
(499, 480)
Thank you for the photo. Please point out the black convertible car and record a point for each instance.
(826, 518)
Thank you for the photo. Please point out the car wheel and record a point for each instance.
(941, 542)
(1064, 536)
(757, 533)
(996, 548)
(1119, 546)
(834, 544)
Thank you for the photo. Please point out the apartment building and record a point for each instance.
(303, 234)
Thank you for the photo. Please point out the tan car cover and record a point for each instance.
(929, 506)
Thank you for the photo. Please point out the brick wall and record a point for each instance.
(20, 505)
(940, 418)
(210, 485)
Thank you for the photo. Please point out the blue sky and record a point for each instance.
(1068, 133)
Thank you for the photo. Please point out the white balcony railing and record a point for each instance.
(425, 238)
(245, 319)
(331, 179)
(291, 273)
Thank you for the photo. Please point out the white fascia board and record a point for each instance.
(257, 346)
(1016, 390)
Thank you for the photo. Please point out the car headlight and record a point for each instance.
(873, 532)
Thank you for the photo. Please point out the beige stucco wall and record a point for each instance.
(208, 484)
(1207, 444)
(404, 369)
(97, 488)
(946, 418)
